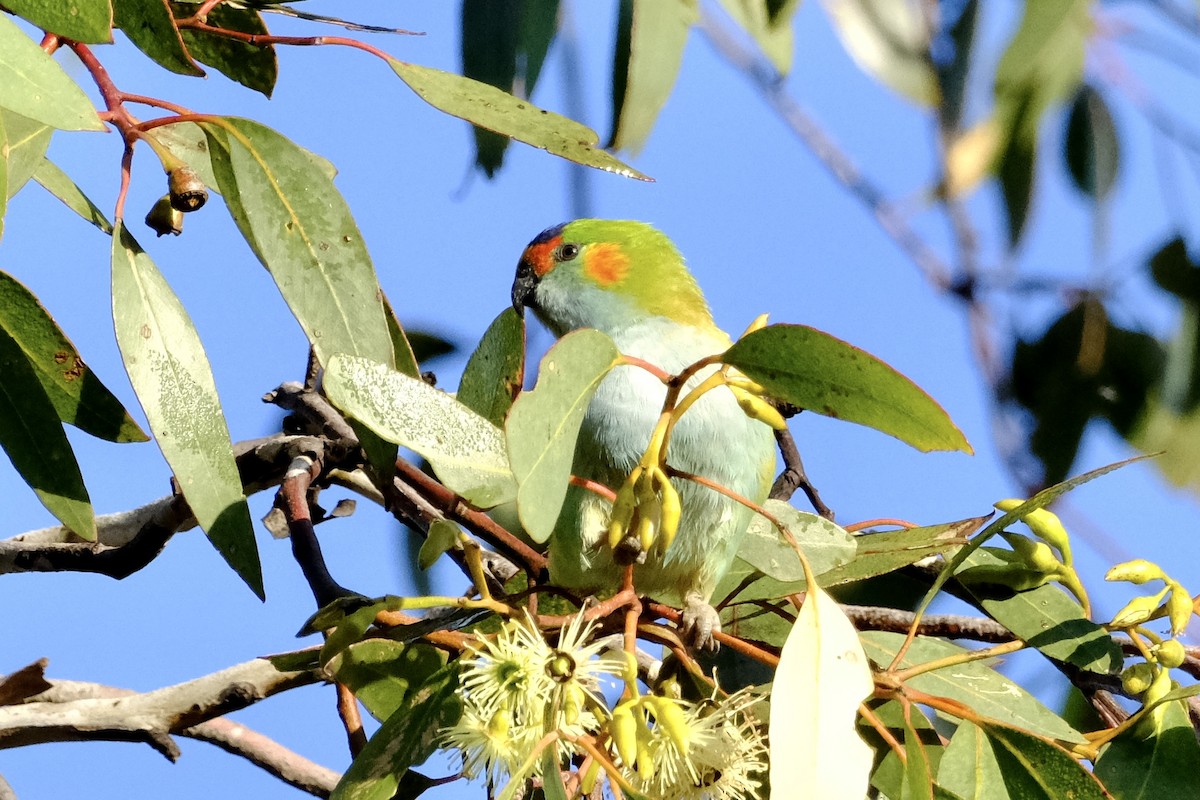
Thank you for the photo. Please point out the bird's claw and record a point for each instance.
(700, 623)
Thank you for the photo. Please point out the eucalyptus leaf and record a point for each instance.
(972, 683)
(33, 84)
(466, 451)
(383, 673)
(80, 20)
(77, 395)
(969, 766)
(495, 372)
(770, 25)
(58, 183)
(301, 229)
(27, 143)
(491, 108)
(658, 33)
(544, 423)
(1046, 618)
(405, 739)
(1091, 147)
(1034, 768)
(1140, 767)
(170, 372)
(151, 27)
(815, 371)
(254, 66)
(825, 544)
(33, 438)
(889, 39)
(822, 678)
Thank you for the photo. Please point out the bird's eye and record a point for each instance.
(566, 251)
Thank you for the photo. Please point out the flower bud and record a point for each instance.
(1045, 525)
(163, 218)
(757, 408)
(1179, 608)
(622, 729)
(1139, 570)
(672, 720)
(185, 189)
(1035, 555)
(670, 513)
(1170, 653)
(1136, 679)
(1135, 612)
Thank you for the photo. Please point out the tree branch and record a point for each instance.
(72, 712)
(129, 540)
(230, 736)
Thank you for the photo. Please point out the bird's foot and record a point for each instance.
(699, 623)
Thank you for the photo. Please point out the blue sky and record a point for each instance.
(762, 224)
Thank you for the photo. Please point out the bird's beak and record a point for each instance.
(523, 286)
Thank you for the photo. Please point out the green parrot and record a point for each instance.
(627, 280)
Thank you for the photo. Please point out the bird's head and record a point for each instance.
(606, 274)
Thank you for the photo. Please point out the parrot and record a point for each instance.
(627, 279)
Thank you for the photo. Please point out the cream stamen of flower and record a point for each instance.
(485, 744)
(509, 669)
(726, 749)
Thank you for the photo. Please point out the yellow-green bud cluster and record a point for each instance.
(648, 499)
(1178, 607)
(1049, 555)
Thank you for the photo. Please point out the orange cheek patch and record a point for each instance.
(541, 255)
(606, 263)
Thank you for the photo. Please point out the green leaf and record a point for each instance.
(918, 770)
(495, 372)
(383, 673)
(59, 184)
(539, 24)
(770, 24)
(544, 424)
(151, 27)
(170, 372)
(1042, 65)
(253, 66)
(27, 143)
(1091, 149)
(301, 229)
(825, 544)
(1034, 768)
(952, 73)
(1140, 767)
(406, 738)
(973, 684)
(82, 20)
(1082, 367)
(643, 79)
(465, 450)
(815, 371)
(1049, 620)
(426, 346)
(78, 396)
(491, 108)
(969, 767)
(552, 781)
(4, 194)
(442, 537)
(881, 553)
(33, 84)
(404, 355)
(33, 438)
(1174, 271)
(822, 678)
(489, 42)
(888, 39)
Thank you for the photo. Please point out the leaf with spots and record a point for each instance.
(817, 372)
(465, 450)
(170, 372)
(77, 395)
(544, 423)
